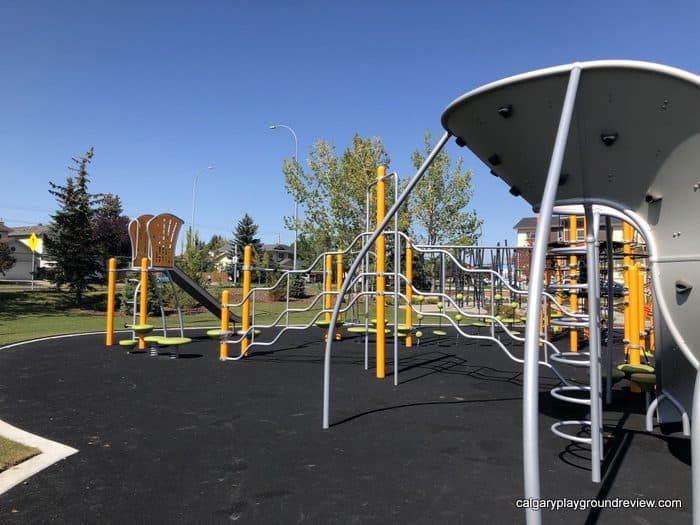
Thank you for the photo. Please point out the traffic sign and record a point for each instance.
(33, 241)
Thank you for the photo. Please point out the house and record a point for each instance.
(276, 256)
(559, 233)
(18, 241)
(559, 236)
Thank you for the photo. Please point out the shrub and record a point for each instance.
(297, 287)
(126, 297)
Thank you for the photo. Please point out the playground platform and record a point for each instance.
(195, 440)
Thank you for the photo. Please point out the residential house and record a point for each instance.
(18, 241)
(560, 235)
(559, 232)
(277, 256)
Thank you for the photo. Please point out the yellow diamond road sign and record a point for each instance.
(33, 241)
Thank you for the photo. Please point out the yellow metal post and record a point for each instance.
(143, 300)
(223, 346)
(245, 310)
(634, 354)
(327, 287)
(649, 316)
(641, 324)
(545, 314)
(573, 296)
(381, 268)
(409, 293)
(111, 292)
(627, 237)
(338, 286)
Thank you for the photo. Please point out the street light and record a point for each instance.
(296, 204)
(194, 195)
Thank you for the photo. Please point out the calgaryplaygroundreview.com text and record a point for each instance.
(591, 503)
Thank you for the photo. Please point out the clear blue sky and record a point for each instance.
(164, 89)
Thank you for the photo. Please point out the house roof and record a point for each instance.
(526, 223)
(531, 222)
(276, 247)
(26, 231)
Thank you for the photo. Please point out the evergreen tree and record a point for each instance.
(70, 241)
(215, 243)
(193, 259)
(111, 229)
(7, 261)
(245, 234)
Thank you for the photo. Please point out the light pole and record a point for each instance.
(194, 195)
(296, 204)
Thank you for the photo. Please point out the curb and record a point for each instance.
(51, 452)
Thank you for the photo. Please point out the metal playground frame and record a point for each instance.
(621, 138)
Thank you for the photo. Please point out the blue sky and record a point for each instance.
(162, 90)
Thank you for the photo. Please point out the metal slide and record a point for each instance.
(191, 287)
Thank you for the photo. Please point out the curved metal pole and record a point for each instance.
(531, 455)
(356, 263)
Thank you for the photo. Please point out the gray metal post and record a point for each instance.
(397, 259)
(365, 270)
(531, 467)
(593, 278)
(493, 307)
(611, 310)
(348, 278)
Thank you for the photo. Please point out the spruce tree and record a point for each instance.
(245, 234)
(70, 241)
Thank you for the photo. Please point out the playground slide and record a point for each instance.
(190, 286)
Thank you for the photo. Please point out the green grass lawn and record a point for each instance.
(13, 453)
(30, 314)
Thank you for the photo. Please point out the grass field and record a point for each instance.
(29, 314)
(13, 453)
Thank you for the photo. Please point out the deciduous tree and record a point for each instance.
(111, 229)
(193, 259)
(333, 193)
(7, 261)
(438, 204)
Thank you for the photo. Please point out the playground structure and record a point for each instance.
(474, 286)
(153, 241)
(470, 297)
(619, 134)
(603, 178)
